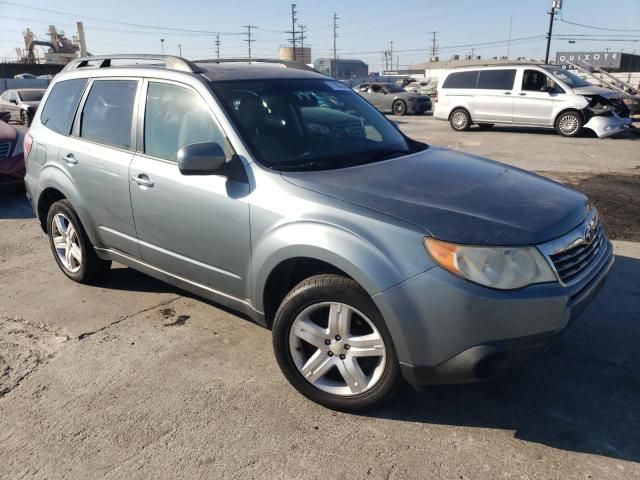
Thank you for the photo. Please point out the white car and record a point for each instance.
(528, 94)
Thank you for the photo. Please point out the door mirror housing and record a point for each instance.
(206, 158)
(14, 101)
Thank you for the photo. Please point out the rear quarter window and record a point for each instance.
(461, 80)
(497, 79)
(61, 105)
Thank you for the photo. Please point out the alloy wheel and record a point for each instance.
(337, 349)
(66, 242)
(568, 125)
(459, 120)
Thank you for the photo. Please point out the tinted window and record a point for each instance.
(461, 80)
(497, 79)
(107, 113)
(175, 117)
(61, 105)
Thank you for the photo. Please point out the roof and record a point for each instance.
(255, 70)
(486, 62)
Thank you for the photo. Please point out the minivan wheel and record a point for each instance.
(333, 346)
(569, 124)
(71, 246)
(460, 120)
(399, 107)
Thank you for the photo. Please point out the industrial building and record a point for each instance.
(342, 69)
(302, 54)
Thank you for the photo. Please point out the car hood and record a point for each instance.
(456, 197)
(596, 90)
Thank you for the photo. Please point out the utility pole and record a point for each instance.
(335, 36)
(249, 39)
(434, 47)
(509, 42)
(217, 45)
(293, 29)
(391, 55)
(557, 4)
(180, 50)
(162, 45)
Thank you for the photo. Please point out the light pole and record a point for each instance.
(180, 49)
(556, 5)
(162, 45)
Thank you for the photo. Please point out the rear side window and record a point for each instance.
(175, 117)
(107, 114)
(61, 105)
(497, 79)
(461, 80)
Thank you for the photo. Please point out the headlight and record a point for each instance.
(19, 148)
(504, 268)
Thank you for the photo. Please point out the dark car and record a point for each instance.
(11, 156)
(21, 103)
(388, 97)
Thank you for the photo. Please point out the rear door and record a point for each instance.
(533, 102)
(97, 157)
(195, 226)
(493, 102)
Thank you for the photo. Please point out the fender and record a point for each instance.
(364, 261)
(53, 176)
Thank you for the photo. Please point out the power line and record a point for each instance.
(249, 38)
(600, 28)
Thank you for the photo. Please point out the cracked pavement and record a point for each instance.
(136, 379)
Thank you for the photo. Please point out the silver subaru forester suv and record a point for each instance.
(281, 193)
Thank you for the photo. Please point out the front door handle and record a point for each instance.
(70, 159)
(507, 93)
(143, 181)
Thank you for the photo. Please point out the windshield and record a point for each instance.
(309, 124)
(567, 77)
(27, 96)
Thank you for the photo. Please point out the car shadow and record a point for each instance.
(582, 395)
(14, 204)
(629, 134)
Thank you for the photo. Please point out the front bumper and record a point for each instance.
(607, 125)
(448, 330)
(418, 107)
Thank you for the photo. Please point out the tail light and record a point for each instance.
(435, 97)
(28, 142)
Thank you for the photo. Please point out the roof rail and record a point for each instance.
(104, 61)
(285, 63)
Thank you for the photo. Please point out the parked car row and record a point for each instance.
(532, 95)
(12, 168)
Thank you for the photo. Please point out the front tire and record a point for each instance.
(569, 124)
(71, 246)
(460, 120)
(333, 346)
(399, 108)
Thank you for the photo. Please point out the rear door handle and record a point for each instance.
(507, 93)
(70, 159)
(522, 94)
(143, 181)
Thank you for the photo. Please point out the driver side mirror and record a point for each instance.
(14, 101)
(206, 158)
(550, 89)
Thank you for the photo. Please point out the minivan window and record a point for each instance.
(107, 114)
(497, 79)
(175, 117)
(461, 80)
(309, 124)
(60, 109)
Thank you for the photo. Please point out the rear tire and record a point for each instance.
(71, 246)
(460, 120)
(399, 108)
(321, 332)
(569, 124)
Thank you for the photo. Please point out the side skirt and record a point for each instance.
(229, 301)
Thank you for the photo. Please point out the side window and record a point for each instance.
(107, 114)
(61, 106)
(376, 88)
(174, 117)
(497, 79)
(461, 80)
(533, 81)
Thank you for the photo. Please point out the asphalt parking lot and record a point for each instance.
(136, 379)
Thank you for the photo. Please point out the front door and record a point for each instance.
(533, 103)
(195, 226)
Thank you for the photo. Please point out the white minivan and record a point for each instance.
(528, 94)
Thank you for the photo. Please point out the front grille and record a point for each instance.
(5, 148)
(570, 263)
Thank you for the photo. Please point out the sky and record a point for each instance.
(365, 28)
